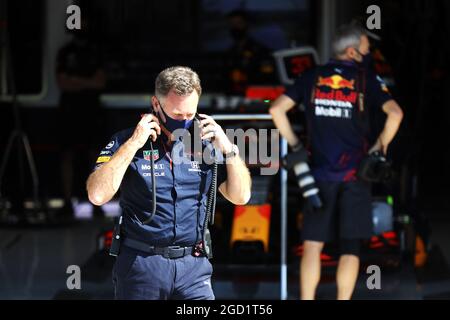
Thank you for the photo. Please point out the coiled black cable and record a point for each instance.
(210, 211)
(152, 164)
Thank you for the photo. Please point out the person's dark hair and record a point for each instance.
(239, 13)
(183, 80)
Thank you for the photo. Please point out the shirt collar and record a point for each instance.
(348, 63)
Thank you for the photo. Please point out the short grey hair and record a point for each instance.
(347, 36)
(183, 80)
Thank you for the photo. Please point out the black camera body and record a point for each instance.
(297, 161)
(375, 168)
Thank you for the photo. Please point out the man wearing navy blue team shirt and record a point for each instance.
(337, 99)
(162, 257)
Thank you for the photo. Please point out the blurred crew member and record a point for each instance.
(337, 99)
(249, 62)
(81, 79)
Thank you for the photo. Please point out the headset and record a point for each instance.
(206, 244)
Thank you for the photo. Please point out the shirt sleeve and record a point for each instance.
(297, 91)
(221, 173)
(107, 152)
(377, 91)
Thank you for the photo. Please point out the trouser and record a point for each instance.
(140, 276)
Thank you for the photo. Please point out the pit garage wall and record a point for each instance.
(54, 37)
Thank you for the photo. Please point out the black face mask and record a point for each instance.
(366, 61)
(172, 124)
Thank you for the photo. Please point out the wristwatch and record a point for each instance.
(233, 153)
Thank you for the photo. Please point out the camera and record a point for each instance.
(297, 160)
(375, 168)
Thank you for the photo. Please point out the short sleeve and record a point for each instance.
(107, 152)
(297, 91)
(221, 173)
(377, 91)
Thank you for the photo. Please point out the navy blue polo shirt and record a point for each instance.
(182, 184)
(336, 120)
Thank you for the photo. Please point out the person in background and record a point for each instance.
(249, 62)
(338, 97)
(81, 79)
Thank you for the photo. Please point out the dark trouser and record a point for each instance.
(140, 276)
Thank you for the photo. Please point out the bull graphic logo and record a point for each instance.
(336, 82)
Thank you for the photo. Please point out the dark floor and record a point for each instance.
(34, 260)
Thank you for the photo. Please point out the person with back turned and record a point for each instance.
(337, 99)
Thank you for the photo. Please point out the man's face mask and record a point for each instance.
(173, 124)
(366, 59)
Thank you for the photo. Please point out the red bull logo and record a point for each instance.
(336, 82)
(336, 95)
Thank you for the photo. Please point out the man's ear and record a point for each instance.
(157, 109)
(154, 103)
(351, 52)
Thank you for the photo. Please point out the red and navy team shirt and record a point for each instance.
(336, 120)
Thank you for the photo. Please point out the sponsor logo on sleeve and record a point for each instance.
(103, 159)
(110, 145)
